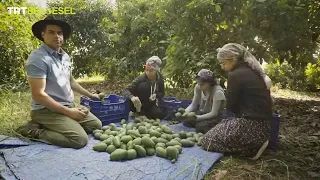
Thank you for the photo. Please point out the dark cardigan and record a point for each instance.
(131, 90)
(247, 94)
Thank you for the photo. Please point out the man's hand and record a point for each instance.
(94, 96)
(84, 109)
(99, 96)
(75, 86)
(76, 114)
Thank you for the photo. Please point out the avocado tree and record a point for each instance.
(291, 27)
(90, 44)
(17, 41)
(140, 34)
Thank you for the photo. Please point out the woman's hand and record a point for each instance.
(189, 116)
(136, 102)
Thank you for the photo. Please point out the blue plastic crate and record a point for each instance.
(174, 104)
(274, 135)
(112, 109)
(170, 99)
(185, 103)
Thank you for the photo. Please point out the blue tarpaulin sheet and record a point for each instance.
(38, 161)
(11, 142)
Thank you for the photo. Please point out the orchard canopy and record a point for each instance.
(115, 38)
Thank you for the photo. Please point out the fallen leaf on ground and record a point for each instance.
(313, 138)
(314, 174)
(317, 134)
(219, 174)
(282, 136)
(314, 124)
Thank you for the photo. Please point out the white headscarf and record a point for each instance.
(239, 53)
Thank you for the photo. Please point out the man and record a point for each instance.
(55, 119)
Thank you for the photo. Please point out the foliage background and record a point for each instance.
(115, 39)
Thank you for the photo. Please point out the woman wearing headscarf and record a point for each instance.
(249, 99)
(145, 93)
(207, 103)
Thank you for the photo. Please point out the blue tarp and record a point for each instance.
(39, 161)
(5, 171)
(10, 142)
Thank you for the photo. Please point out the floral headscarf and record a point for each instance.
(239, 53)
(207, 76)
(154, 62)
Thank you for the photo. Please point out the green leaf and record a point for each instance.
(162, 42)
(218, 8)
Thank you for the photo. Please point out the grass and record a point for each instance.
(14, 111)
(245, 169)
(285, 93)
(289, 161)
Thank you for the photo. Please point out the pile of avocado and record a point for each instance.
(141, 138)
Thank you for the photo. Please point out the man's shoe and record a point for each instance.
(30, 130)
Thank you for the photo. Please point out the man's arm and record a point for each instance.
(75, 86)
(37, 86)
(36, 70)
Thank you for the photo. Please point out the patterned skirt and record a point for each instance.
(238, 136)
